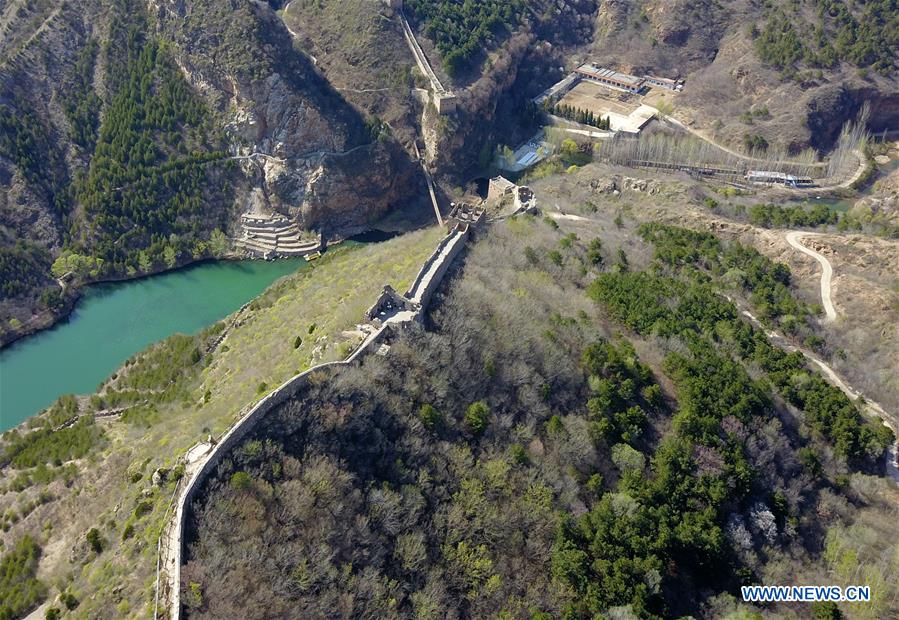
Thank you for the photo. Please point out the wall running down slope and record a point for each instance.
(172, 540)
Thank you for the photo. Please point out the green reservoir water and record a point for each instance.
(112, 322)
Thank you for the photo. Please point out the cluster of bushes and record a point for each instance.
(768, 215)
(622, 389)
(617, 553)
(23, 142)
(161, 374)
(763, 280)
(827, 409)
(867, 40)
(20, 591)
(81, 103)
(42, 446)
(655, 304)
(778, 43)
(460, 29)
(578, 115)
(754, 142)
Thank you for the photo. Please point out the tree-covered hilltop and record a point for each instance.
(118, 126)
(130, 178)
(572, 436)
(148, 195)
(463, 30)
(865, 37)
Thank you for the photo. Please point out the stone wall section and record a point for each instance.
(172, 542)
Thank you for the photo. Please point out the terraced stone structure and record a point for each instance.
(271, 236)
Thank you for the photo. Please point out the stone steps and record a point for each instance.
(266, 248)
(273, 237)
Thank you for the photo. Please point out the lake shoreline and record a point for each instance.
(73, 293)
(106, 321)
(113, 320)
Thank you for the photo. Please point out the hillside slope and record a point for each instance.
(116, 468)
(582, 430)
(132, 139)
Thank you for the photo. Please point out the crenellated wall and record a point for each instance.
(427, 281)
(427, 265)
(438, 266)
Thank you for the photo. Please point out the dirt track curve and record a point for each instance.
(794, 238)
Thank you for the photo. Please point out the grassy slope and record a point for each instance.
(868, 307)
(105, 494)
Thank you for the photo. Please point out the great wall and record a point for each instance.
(389, 315)
(272, 235)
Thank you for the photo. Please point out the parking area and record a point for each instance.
(625, 111)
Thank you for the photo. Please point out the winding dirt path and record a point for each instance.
(294, 34)
(794, 238)
(868, 406)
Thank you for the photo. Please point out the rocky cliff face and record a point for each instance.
(289, 132)
(834, 104)
(278, 104)
(348, 191)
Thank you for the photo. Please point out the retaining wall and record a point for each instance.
(409, 294)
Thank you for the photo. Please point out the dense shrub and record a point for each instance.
(461, 29)
(864, 35)
(20, 591)
(769, 215)
(146, 194)
(44, 446)
(23, 267)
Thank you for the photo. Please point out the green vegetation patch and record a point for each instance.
(20, 591)
(23, 140)
(865, 35)
(408, 482)
(768, 215)
(693, 311)
(82, 105)
(461, 29)
(44, 445)
(23, 266)
(147, 194)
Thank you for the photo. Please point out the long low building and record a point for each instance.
(608, 77)
(769, 177)
(663, 82)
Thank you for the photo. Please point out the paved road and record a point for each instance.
(794, 238)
